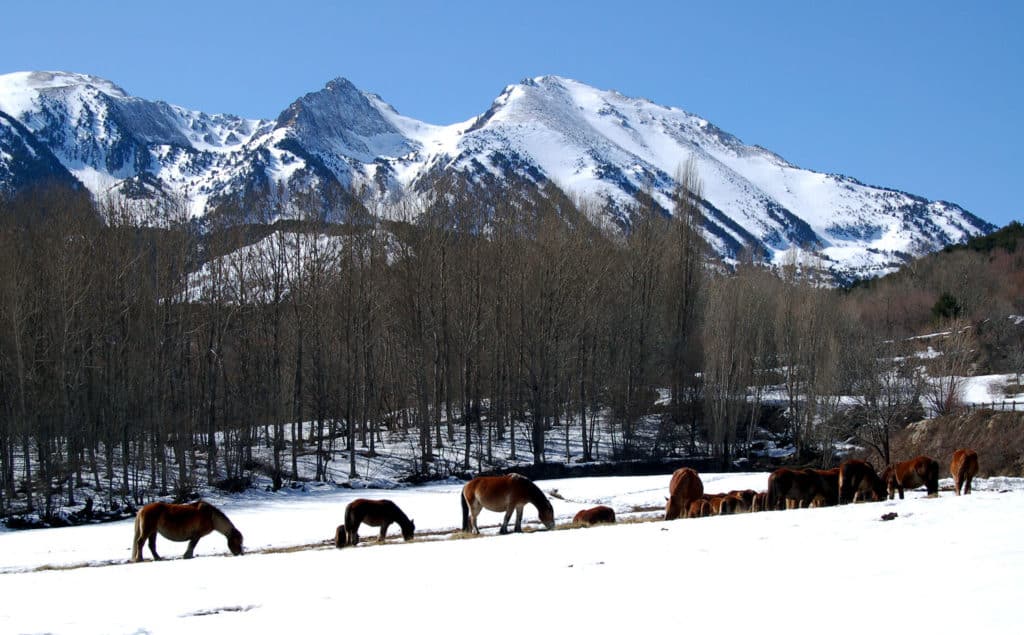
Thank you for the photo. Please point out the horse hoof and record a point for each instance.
(889, 516)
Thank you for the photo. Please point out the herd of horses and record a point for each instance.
(854, 480)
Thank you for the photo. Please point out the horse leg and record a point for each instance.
(504, 523)
(474, 511)
(191, 546)
(383, 532)
(152, 546)
(519, 519)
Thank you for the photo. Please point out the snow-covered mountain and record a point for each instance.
(590, 142)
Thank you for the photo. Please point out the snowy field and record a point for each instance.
(943, 565)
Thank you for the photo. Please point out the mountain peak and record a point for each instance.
(43, 80)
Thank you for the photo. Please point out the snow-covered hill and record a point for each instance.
(593, 143)
(946, 565)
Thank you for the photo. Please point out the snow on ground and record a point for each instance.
(942, 565)
(989, 389)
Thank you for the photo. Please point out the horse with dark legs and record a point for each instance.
(790, 488)
(375, 513)
(594, 516)
(964, 468)
(684, 488)
(180, 523)
(508, 493)
(858, 481)
(921, 470)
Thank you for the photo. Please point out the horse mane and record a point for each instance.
(402, 519)
(537, 496)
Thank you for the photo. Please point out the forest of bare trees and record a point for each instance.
(141, 352)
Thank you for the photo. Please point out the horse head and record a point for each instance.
(546, 514)
(235, 542)
(407, 532)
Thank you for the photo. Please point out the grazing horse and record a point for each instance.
(507, 493)
(828, 494)
(964, 468)
(789, 488)
(725, 504)
(858, 480)
(684, 487)
(594, 516)
(179, 523)
(921, 470)
(376, 513)
(760, 502)
(747, 496)
(698, 508)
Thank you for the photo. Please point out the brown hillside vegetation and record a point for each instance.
(998, 437)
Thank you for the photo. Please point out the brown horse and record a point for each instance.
(594, 516)
(790, 488)
(747, 496)
(858, 480)
(180, 523)
(698, 508)
(507, 493)
(684, 487)
(760, 502)
(725, 504)
(921, 470)
(376, 513)
(964, 468)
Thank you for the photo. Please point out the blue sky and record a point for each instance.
(920, 96)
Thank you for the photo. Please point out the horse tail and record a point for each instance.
(772, 496)
(465, 510)
(933, 477)
(340, 537)
(138, 534)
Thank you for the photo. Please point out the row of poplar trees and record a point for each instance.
(141, 355)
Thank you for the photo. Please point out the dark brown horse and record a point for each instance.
(594, 516)
(375, 513)
(921, 470)
(507, 493)
(964, 468)
(828, 495)
(790, 488)
(684, 487)
(180, 523)
(858, 481)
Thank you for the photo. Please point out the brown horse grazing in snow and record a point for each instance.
(725, 504)
(858, 480)
(375, 513)
(921, 470)
(507, 493)
(698, 508)
(594, 516)
(790, 488)
(760, 502)
(747, 496)
(180, 523)
(684, 488)
(964, 468)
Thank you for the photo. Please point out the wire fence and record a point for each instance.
(1006, 405)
